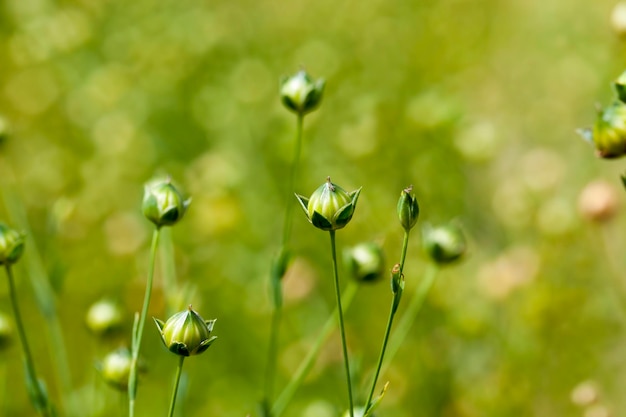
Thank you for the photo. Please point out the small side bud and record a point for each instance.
(11, 245)
(186, 333)
(163, 204)
(620, 87)
(115, 368)
(408, 209)
(104, 317)
(330, 206)
(300, 94)
(366, 262)
(618, 19)
(444, 244)
(397, 286)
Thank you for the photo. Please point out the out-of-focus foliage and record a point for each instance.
(474, 102)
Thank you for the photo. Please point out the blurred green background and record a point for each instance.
(473, 102)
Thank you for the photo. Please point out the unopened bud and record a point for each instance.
(104, 317)
(444, 244)
(115, 368)
(408, 209)
(330, 206)
(299, 93)
(609, 132)
(11, 245)
(366, 262)
(163, 204)
(186, 333)
(618, 18)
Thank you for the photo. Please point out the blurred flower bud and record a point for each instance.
(366, 262)
(6, 331)
(186, 333)
(585, 394)
(104, 317)
(115, 368)
(618, 18)
(598, 201)
(300, 93)
(444, 244)
(163, 204)
(330, 206)
(11, 245)
(408, 209)
(609, 132)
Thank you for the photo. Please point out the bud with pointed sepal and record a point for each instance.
(330, 206)
(11, 245)
(300, 94)
(608, 135)
(444, 244)
(366, 262)
(408, 209)
(186, 333)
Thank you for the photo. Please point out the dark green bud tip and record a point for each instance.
(444, 244)
(186, 333)
(608, 135)
(620, 87)
(11, 245)
(366, 262)
(6, 331)
(163, 204)
(104, 317)
(5, 129)
(330, 206)
(408, 209)
(115, 368)
(300, 94)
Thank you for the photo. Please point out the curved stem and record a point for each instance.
(41, 399)
(409, 316)
(138, 331)
(392, 313)
(306, 365)
(179, 372)
(341, 324)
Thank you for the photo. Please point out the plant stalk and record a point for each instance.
(138, 330)
(179, 372)
(342, 329)
(41, 399)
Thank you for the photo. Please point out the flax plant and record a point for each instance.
(11, 249)
(301, 95)
(331, 208)
(163, 205)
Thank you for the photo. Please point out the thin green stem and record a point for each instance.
(341, 324)
(138, 331)
(179, 372)
(276, 281)
(411, 313)
(392, 314)
(306, 365)
(40, 397)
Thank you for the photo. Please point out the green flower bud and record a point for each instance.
(609, 132)
(620, 87)
(300, 93)
(330, 206)
(11, 245)
(444, 244)
(366, 262)
(408, 209)
(6, 331)
(115, 368)
(104, 317)
(163, 204)
(186, 333)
